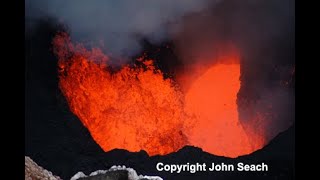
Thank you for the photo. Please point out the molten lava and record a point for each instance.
(212, 98)
(135, 108)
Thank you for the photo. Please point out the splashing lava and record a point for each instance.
(135, 108)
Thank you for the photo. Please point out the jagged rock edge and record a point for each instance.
(132, 174)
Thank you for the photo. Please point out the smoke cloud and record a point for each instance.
(264, 33)
(116, 25)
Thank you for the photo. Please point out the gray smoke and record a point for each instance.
(115, 25)
(264, 32)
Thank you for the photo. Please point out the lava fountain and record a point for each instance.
(136, 108)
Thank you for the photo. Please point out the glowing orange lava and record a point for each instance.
(135, 108)
(212, 98)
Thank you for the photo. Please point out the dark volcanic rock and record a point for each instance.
(56, 139)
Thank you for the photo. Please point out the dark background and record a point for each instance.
(56, 139)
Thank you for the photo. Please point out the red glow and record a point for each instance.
(212, 98)
(135, 108)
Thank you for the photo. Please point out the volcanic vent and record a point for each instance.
(136, 108)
